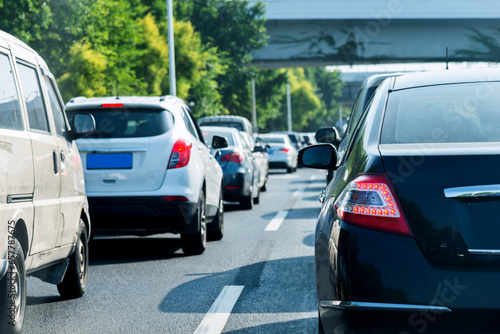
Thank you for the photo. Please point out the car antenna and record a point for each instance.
(446, 57)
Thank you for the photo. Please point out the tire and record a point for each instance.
(247, 202)
(218, 223)
(256, 200)
(74, 282)
(289, 169)
(264, 186)
(195, 243)
(321, 330)
(13, 292)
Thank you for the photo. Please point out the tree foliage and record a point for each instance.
(107, 47)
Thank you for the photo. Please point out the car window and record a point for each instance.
(128, 123)
(189, 125)
(273, 140)
(227, 124)
(10, 109)
(459, 113)
(57, 109)
(209, 135)
(37, 114)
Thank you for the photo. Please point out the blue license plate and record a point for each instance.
(109, 161)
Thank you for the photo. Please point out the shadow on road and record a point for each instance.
(113, 250)
(264, 283)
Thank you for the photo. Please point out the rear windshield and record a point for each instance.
(273, 140)
(209, 135)
(457, 113)
(227, 124)
(128, 123)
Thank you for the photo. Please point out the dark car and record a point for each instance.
(409, 223)
(241, 174)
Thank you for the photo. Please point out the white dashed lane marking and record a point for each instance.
(218, 314)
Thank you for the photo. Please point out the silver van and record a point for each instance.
(43, 208)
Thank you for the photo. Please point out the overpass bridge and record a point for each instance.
(338, 32)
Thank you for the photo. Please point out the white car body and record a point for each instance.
(282, 153)
(44, 210)
(130, 198)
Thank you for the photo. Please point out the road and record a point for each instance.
(258, 279)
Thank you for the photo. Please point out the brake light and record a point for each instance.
(180, 154)
(234, 157)
(285, 150)
(369, 202)
(112, 105)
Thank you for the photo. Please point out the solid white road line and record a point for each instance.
(216, 318)
(275, 223)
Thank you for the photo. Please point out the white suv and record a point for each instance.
(43, 208)
(148, 170)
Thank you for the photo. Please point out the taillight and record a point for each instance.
(369, 202)
(180, 154)
(234, 157)
(285, 150)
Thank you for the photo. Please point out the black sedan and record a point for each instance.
(409, 227)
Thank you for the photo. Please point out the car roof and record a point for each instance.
(82, 102)
(277, 135)
(218, 118)
(446, 77)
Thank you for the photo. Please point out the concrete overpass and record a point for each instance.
(319, 33)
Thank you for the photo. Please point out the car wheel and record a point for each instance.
(264, 186)
(13, 291)
(195, 243)
(247, 202)
(289, 169)
(256, 200)
(321, 330)
(218, 223)
(75, 280)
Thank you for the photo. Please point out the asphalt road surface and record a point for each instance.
(258, 279)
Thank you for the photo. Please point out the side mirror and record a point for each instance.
(219, 142)
(328, 135)
(321, 156)
(82, 125)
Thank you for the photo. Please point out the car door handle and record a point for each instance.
(63, 156)
(56, 162)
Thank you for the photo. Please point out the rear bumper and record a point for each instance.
(140, 215)
(236, 185)
(369, 271)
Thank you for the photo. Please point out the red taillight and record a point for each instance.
(112, 105)
(234, 157)
(369, 202)
(285, 150)
(180, 154)
(175, 198)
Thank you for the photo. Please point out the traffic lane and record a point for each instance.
(148, 285)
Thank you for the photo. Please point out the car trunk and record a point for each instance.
(124, 164)
(453, 216)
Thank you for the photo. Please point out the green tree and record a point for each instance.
(328, 87)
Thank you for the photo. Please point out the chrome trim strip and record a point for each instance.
(367, 306)
(19, 198)
(492, 190)
(485, 251)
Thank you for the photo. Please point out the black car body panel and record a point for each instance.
(447, 189)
